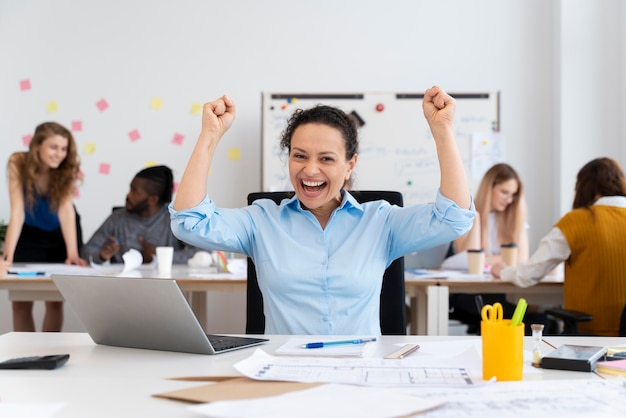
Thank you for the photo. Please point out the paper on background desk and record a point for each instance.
(330, 400)
(57, 268)
(133, 259)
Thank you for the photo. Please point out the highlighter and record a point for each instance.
(519, 312)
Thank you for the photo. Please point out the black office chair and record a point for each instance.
(572, 318)
(392, 295)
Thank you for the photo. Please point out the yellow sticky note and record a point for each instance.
(196, 109)
(156, 103)
(151, 163)
(52, 106)
(90, 148)
(234, 154)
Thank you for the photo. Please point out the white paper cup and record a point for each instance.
(476, 261)
(509, 254)
(165, 257)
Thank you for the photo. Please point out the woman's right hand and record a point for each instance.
(218, 116)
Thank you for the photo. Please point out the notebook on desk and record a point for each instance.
(141, 313)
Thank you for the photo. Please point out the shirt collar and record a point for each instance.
(619, 201)
(347, 200)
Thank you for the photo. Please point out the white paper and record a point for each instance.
(355, 371)
(530, 398)
(200, 259)
(132, 261)
(23, 410)
(330, 400)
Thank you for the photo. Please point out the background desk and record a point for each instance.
(101, 381)
(429, 295)
(429, 304)
(194, 282)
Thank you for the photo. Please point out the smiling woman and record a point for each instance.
(322, 147)
(43, 225)
(321, 255)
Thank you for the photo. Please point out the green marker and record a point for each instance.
(520, 310)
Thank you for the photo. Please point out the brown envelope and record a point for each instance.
(234, 389)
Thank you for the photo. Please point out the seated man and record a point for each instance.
(143, 224)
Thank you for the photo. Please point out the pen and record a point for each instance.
(28, 273)
(519, 312)
(342, 342)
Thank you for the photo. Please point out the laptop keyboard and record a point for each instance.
(224, 342)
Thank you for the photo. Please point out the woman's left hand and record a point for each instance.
(76, 260)
(496, 268)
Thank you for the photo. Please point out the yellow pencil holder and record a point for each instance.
(503, 350)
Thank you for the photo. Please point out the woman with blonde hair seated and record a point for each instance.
(501, 219)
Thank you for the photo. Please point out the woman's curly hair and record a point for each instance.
(62, 179)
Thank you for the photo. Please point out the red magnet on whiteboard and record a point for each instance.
(380, 107)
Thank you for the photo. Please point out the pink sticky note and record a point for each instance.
(26, 139)
(104, 168)
(25, 85)
(178, 139)
(175, 187)
(77, 126)
(102, 105)
(134, 135)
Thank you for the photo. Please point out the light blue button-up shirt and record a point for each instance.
(321, 281)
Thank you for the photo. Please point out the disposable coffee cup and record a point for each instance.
(509, 254)
(476, 261)
(165, 257)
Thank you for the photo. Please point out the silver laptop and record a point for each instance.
(141, 313)
(431, 258)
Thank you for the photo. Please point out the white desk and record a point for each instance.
(194, 281)
(100, 381)
(428, 294)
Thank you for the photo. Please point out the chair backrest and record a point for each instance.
(392, 295)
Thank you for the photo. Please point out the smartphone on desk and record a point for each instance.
(48, 362)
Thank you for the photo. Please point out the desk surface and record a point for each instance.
(428, 293)
(101, 381)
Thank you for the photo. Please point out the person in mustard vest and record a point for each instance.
(591, 241)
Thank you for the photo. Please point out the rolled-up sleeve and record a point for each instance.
(451, 214)
(192, 219)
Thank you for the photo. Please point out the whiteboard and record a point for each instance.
(396, 148)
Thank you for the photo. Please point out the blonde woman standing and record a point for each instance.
(43, 225)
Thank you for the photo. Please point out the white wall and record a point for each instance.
(559, 66)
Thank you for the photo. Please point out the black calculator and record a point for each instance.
(36, 362)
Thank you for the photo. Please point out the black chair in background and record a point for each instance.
(571, 319)
(392, 296)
